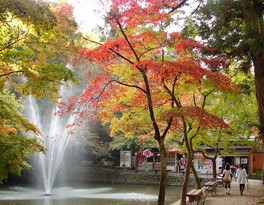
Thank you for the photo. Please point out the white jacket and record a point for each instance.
(241, 176)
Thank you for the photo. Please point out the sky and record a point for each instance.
(86, 14)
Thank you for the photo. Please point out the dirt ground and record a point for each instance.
(253, 195)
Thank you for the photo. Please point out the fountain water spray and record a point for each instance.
(54, 127)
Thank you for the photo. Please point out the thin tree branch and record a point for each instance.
(13, 42)
(171, 93)
(176, 7)
(127, 40)
(121, 83)
(128, 85)
(12, 72)
(114, 51)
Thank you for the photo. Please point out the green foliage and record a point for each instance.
(237, 28)
(189, 30)
(29, 11)
(239, 110)
(39, 55)
(120, 142)
(37, 41)
(97, 141)
(224, 25)
(123, 143)
(215, 21)
(14, 146)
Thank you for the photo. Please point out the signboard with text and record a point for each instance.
(125, 158)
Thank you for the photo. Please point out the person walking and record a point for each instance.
(241, 177)
(227, 178)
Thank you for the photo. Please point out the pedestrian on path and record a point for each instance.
(227, 178)
(241, 178)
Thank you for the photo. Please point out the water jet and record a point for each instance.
(41, 113)
(56, 137)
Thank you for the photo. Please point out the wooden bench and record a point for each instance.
(211, 187)
(195, 196)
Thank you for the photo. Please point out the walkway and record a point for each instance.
(250, 196)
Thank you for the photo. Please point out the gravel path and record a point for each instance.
(252, 196)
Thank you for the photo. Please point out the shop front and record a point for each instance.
(149, 158)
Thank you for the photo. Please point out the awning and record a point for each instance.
(173, 150)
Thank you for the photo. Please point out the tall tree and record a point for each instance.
(36, 43)
(237, 28)
(150, 77)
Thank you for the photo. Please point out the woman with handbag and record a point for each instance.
(227, 178)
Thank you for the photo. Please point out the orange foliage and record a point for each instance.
(133, 13)
(158, 65)
(202, 118)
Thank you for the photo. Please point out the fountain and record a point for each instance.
(54, 127)
(41, 113)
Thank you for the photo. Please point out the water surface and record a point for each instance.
(89, 194)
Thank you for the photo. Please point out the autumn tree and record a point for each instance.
(153, 82)
(36, 43)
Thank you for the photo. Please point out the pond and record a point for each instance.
(88, 194)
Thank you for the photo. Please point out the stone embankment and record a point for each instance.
(123, 176)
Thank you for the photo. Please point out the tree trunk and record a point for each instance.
(196, 178)
(163, 173)
(137, 161)
(214, 167)
(259, 82)
(255, 30)
(186, 180)
(253, 18)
